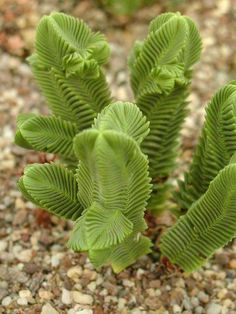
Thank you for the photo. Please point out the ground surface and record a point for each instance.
(37, 272)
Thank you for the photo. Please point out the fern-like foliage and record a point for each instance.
(161, 69)
(67, 66)
(48, 134)
(112, 146)
(52, 187)
(208, 225)
(216, 146)
(114, 190)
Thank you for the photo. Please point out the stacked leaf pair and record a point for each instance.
(161, 69)
(113, 185)
(67, 67)
(107, 195)
(207, 195)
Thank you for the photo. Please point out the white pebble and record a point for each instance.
(55, 261)
(84, 311)
(92, 286)
(48, 309)
(6, 301)
(81, 298)
(25, 294)
(214, 308)
(177, 309)
(3, 246)
(22, 301)
(203, 297)
(25, 256)
(66, 296)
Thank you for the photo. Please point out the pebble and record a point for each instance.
(48, 309)
(177, 309)
(55, 260)
(194, 301)
(22, 301)
(75, 273)
(66, 296)
(199, 310)
(232, 264)
(6, 301)
(3, 293)
(3, 245)
(82, 298)
(203, 297)
(46, 295)
(25, 255)
(26, 294)
(214, 308)
(84, 311)
(89, 274)
(92, 286)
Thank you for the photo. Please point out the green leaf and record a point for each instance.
(73, 98)
(193, 46)
(59, 35)
(66, 65)
(78, 238)
(54, 188)
(19, 139)
(123, 182)
(49, 134)
(106, 227)
(25, 193)
(166, 116)
(123, 117)
(215, 148)
(123, 255)
(208, 225)
(161, 47)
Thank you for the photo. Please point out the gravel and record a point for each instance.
(38, 274)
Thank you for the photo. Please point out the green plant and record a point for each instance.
(115, 158)
(123, 7)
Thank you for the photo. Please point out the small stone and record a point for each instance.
(187, 304)
(214, 308)
(75, 273)
(194, 301)
(6, 301)
(199, 310)
(203, 297)
(85, 311)
(128, 283)
(3, 293)
(3, 245)
(222, 294)
(25, 255)
(45, 295)
(177, 309)
(155, 284)
(81, 298)
(140, 273)
(25, 294)
(89, 274)
(66, 296)
(55, 261)
(22, 301)
(92, 286)
(232, 264)
(222, 259)
(31, 268)
(48, 309)
(121, 303)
